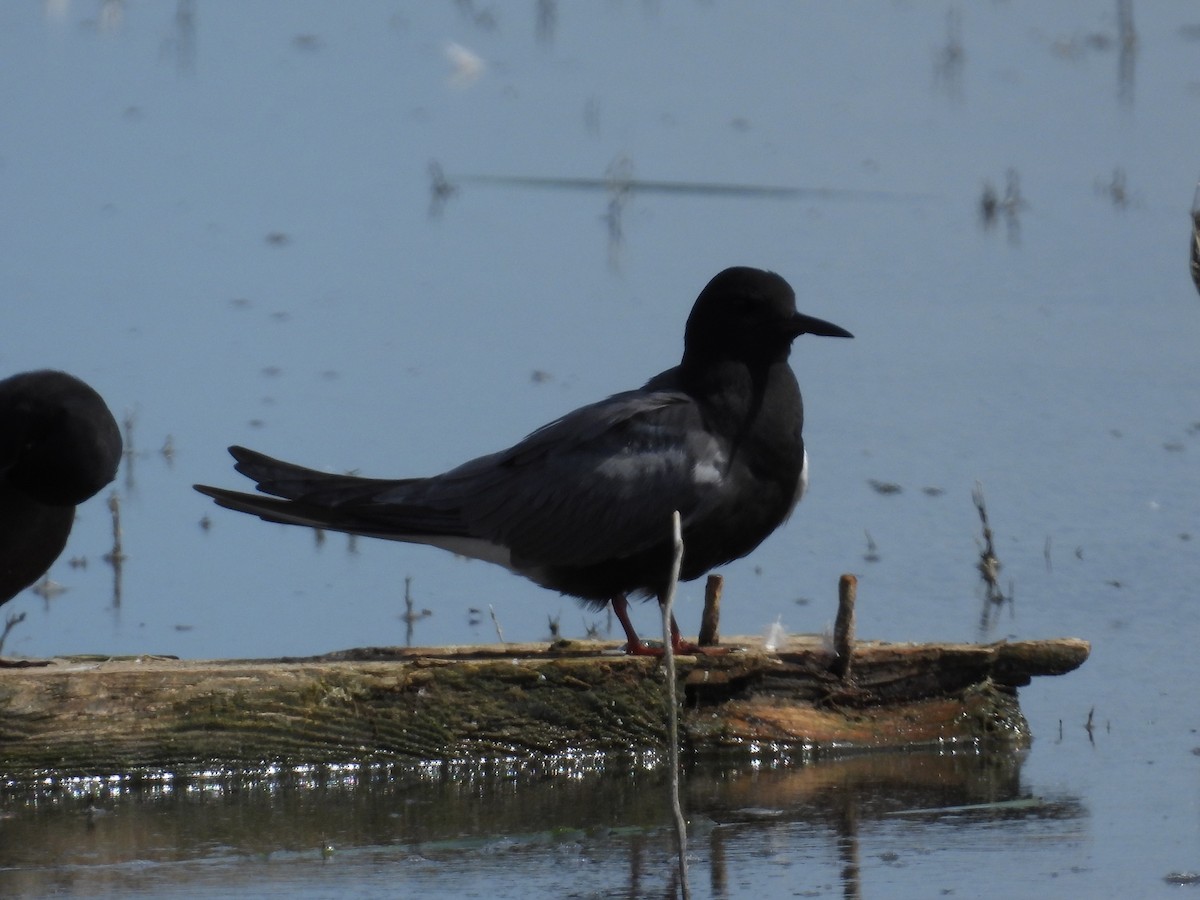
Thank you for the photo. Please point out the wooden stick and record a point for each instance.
(710, 620)
(843, 628)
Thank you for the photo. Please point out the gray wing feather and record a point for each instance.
(599, 483)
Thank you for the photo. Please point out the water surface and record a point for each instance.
(222, 217)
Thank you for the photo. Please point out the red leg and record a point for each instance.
(634, 645)
(678, 644)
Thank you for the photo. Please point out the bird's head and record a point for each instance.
(61, 444)
(748, 315)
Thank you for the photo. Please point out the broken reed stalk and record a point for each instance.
(673, 706)
(710, 619)
(843, 628)
(989, 563)
(10, 622)
(116, 557)
(409, 618)
(1196, 244)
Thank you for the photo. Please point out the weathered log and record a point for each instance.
(92, 716)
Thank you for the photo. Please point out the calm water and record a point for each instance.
(222, 217)
(515, 830)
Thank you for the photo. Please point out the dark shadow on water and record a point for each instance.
(540, 825)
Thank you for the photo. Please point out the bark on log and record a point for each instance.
(97, 716)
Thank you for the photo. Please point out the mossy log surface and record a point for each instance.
(101, 715)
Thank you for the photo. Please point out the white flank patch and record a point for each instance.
(474, 548)
(801, 482)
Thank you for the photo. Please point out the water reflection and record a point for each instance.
(620, 186)
(116, 556)
(544, 819)
(994, 208)
(1126, 52)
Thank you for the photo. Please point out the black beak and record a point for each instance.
(801, 324)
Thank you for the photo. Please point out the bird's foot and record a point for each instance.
(640, 648)
(635, 646)
(679, 647)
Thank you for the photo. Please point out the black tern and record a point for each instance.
(59, 445)
(584, 504)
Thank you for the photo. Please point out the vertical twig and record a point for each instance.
(872, 554)
(619, 176)
(1127, 43)
(10, 622)
(116, 557)
(710, 620)
(989, 563)
(843, 627)
(496, 622)
(440, 190)
(409, 618)
(1196, 238)
(130, 453)
(673, 707)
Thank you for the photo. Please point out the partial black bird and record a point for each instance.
(583, 505)
(59, 445)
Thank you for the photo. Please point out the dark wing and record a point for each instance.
(301, 496)
(599, 483)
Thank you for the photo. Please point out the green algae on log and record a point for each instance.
(92, 716)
